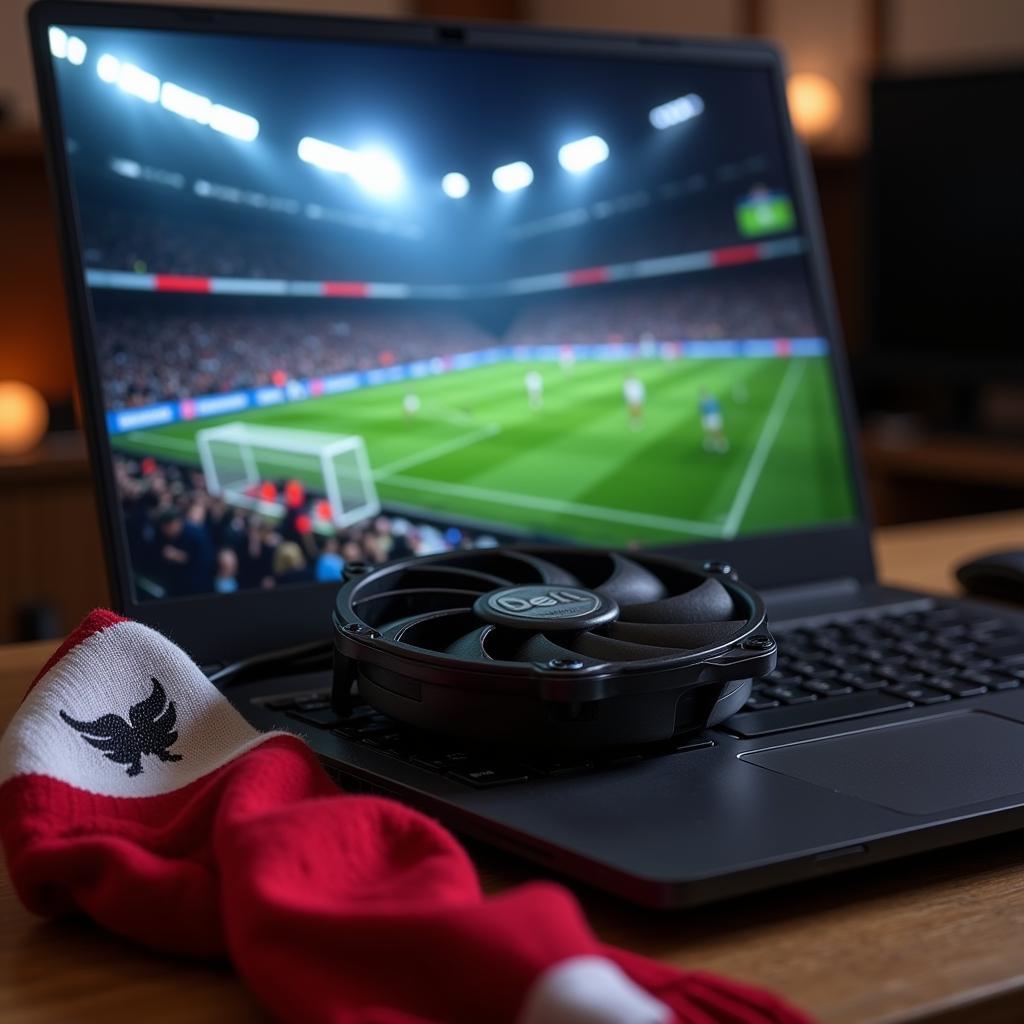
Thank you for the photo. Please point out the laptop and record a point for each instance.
(346, 291)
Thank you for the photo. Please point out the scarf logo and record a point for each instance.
(149, 730)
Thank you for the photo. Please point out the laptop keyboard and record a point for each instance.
(829, 673)
(869, 666)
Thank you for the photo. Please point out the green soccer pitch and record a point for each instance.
(576, 468)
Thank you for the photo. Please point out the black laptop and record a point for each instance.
(345, 291)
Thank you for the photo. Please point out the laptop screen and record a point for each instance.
(353, 301)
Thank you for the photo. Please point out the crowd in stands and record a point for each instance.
(195, 242)
(752, 302)
(183, 540)
(155, 357)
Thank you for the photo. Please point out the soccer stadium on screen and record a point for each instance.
(360, 302)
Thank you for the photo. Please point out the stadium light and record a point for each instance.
(325, 155)
(65, 47)
(76, 50)
(582, 154)
(375, 170)
(378, 172)
(108, 67)
(58, 42)
(676, 111)
(185, 103)
(455, 185)
(512, 177)
(234, 123)
(136, 82)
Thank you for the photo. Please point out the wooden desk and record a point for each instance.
(937, 938)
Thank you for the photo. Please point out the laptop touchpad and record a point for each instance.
(918, 767)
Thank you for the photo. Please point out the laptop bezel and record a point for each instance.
(215, 627)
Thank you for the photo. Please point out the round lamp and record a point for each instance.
(23, 417)
(815, 103)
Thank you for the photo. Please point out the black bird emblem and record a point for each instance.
(151, 731)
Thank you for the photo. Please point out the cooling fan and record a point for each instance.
(550, 646)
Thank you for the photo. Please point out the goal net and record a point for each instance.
(244, 464)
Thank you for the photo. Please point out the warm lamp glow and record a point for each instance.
(23, 417)
(814, 103)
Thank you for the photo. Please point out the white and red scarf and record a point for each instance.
(131, 790)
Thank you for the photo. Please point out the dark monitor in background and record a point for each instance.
(946, 257)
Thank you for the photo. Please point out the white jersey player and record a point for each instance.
(635, 394)
(411, 405)
(534, 383)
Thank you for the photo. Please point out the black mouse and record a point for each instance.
(999, 575)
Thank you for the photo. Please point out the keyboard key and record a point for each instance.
(835, 709)
(827, 687)
(760, 704)
(557, 766)
(1001, 682)
(322, 718)
(484, 777)
(1009, 650)
(863, 682)
(956, 688)
(316, 704)
(918, 694)
(789, 694)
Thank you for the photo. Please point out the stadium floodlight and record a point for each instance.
(185, 103)
(455, 185)
(108, 67)
(126, 168)
(326, 155)
(76, 50)
(582, 154)
(676, 111)
(512, 177)
(378, 172)
(234, 123)
(58, 42)
(136, 82)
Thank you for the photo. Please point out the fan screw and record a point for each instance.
(566, 663)
(758, 643)
(358, 629)
(723, 568)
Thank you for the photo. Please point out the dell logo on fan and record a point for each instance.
(512, 603)
(544, 606)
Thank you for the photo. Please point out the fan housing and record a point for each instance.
(550, 647)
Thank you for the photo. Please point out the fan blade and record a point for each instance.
(470, 645)
(603, 648)
(433, 575)
(708, 602)
(396, 630)
(687, 637)
(384, 609)
(630, 582)
(510, 646)
(548, 571)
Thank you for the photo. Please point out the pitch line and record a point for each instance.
(558, 506)
(772, 424)
(453, 445)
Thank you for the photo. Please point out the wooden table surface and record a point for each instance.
(936, 938)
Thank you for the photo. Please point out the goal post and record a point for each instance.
(238, 458)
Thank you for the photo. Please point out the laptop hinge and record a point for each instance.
(844, 586)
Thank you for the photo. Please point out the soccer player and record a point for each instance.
(534, 389)
(635, 393)
(712, 424)
(410, 405)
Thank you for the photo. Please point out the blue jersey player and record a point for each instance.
(712, 423)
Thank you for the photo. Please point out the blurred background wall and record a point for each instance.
(929, 451)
